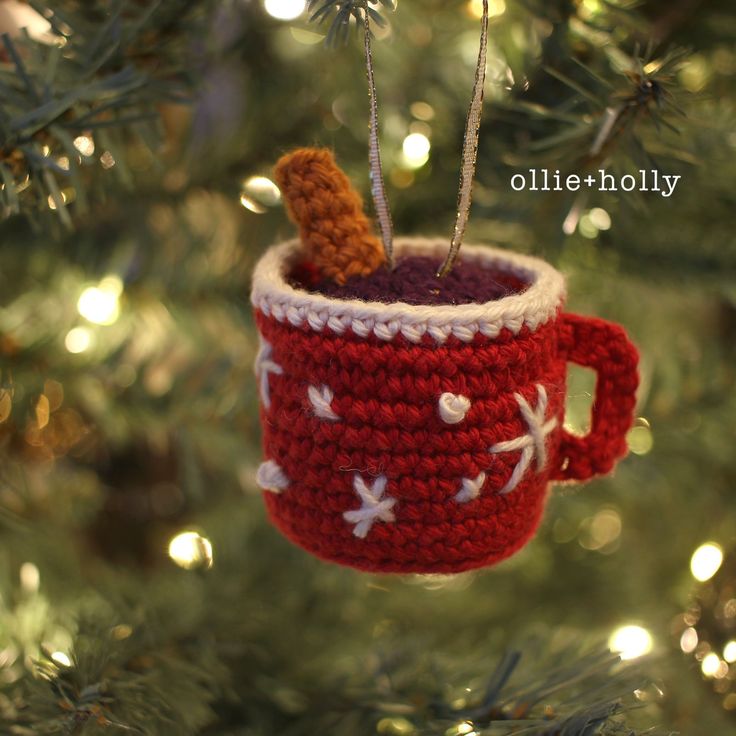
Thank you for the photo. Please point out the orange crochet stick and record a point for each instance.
(329, 212)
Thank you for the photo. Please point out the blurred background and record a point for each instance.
(142, 589)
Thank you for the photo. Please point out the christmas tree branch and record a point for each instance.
(97, 66)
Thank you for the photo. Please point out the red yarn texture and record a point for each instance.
(386, 397)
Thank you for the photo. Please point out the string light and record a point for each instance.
(191, 550)
(706, 561)
(495, 8)
(713, 666)
(415, 149)
(62, 659)
(78, 339)
(30, 577)
(85, 144)
(258, 193)
(689, 640)
(285, 9)
(100, 304)
(630, 641)
(639, 438)
(107, 160)
(464, 728)
(729, 651)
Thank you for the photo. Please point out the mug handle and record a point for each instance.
(603, 346)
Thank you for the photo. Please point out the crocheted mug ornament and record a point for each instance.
(419, 438)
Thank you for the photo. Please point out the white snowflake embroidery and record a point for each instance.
(470, 488)
(531, 444)
(375, 506)
(321, 399)
(264, 366)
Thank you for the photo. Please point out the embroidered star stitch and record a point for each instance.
(375, 507)
(264, 366)
(531, 444)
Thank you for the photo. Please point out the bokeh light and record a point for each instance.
(78, 339)
(713, 666)
(706, 561)
(30, 577)
(285, 9)
(630, 641)
(62, 658)
(729, 651)
(100, 304)
(639, 438)
(191, 551)
(689, 640)
(495, 7)
(84, 144)
(259, 192)
(415, 150)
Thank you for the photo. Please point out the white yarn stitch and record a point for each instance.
(470, 488)
(453, 407)
(271, 477)
(375, 507)
(264, 366)
(533, 307)
(321, 399)
(531, 444)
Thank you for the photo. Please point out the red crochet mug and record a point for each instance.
(405, 438)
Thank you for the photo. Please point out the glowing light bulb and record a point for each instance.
(191, 550)
(62, 659)
(495, 7)
(706, 561)
(78, 339)
(600, 218)
(416, 150)
(285, 9)
(729, 651)
(689, 640)
(30, 577)
(84, 144)
(259, 192)
(100, 304)
(713, 666)
(630, 641)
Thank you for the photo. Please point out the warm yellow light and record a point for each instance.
(100, 304)
(729, 651)
(285, 9)
(605, 528)
(30, 577)
(689, 640)
(85, 144)
(705, 561)
(600, 218)
(62, 659)
(630, 641)
(191, 550)
(107, 160)
(464, 728)
(416, 150)
(495, 7)
(251, 205)
(713, 666)
(422, 110)
(261, 192)
(78, 339)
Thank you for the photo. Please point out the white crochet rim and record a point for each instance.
(273, 296)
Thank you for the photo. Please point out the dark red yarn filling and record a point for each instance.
(414, 281)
